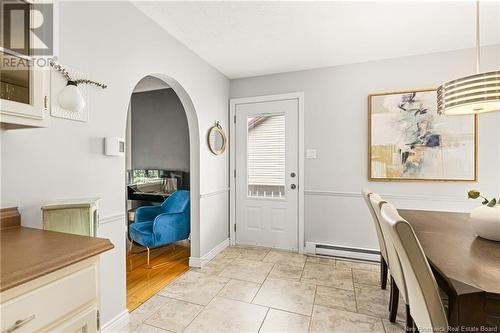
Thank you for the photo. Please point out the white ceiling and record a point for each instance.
(244, 39)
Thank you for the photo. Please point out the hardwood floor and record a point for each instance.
(168, 263)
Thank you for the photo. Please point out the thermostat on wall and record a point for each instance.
(114, 146)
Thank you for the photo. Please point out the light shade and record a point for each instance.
(71, 98)
(473, 94)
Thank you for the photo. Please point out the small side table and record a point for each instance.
(73, 216)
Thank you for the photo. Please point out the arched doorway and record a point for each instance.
(167, 83)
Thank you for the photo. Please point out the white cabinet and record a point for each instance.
(66, 301)
(33, 113)
(84, 322)
(25, 78)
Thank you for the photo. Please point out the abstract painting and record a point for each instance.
(409, 140)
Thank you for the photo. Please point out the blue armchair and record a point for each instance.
(159, 225)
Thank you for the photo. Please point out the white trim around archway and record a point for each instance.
(194, 158)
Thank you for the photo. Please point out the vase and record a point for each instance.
(486, 222)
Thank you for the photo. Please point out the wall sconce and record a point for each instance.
(70, 98)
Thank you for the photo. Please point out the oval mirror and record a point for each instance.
(217, 140)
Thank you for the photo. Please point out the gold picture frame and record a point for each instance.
(217, 139)
(389, 177)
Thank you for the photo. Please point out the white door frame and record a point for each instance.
(232, 162)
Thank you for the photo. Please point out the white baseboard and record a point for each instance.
(117, 323)
(342, 251)
(310, 248)
(195, 262)
(200, 262)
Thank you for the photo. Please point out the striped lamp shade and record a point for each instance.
(473, 94)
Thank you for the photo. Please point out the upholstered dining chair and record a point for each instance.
(398, 285)
(381, 243)
(160, 225)
(424, 299)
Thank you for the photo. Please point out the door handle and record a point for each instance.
(19, 323)
(293, 186)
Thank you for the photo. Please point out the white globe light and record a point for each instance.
(70, 98)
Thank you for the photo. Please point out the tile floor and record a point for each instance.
(253, 289)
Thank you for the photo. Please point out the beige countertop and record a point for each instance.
(28, 253)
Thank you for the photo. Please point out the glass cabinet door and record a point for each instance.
(24, 88)
(14, 65)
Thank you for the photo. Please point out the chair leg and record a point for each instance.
(383, 273)
(409, 320)
(414, 328)
(390, 302)
(130, 246)
(148, 258)
(393, 311)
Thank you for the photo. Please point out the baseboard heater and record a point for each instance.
(343, 252)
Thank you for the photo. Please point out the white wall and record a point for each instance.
(66, 160)
(336, 126)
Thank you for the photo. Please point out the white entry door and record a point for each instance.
(267, 161)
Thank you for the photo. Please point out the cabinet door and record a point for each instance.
(51, 302)
(84, 322)
(25, 79)
(30, 109)
(76, 221)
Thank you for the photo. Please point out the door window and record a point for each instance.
(266, 156)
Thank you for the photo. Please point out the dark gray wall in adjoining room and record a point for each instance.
(160, 134)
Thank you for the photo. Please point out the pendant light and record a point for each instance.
(478, 93)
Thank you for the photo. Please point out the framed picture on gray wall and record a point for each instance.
(409, 141)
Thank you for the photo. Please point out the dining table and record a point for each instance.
(466, 268)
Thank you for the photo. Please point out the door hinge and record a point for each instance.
(235, 227)
(234, 173)
(234, 119)
(45, 99)
(98, 320)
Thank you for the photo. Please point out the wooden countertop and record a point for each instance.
(28, 253)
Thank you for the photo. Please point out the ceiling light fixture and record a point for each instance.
(478, 93)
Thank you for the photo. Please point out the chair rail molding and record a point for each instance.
(214, 193)
(112, 218)
(394, 196)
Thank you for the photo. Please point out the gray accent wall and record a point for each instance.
(159, 130)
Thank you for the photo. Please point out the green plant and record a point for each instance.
(474, 194)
